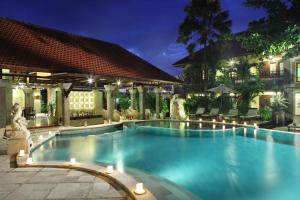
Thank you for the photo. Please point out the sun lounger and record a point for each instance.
(213, 113)
(252, 114)
(200, 111)
(232, 113)
(295, 125)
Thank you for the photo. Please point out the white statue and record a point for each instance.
(19, 124)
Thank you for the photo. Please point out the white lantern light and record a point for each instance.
(200, 119)
(41, 137)
(223, 121)
(245, 123)
(139, 188)
(109, 169)
(233, 122)
(29, 161)
(21, 153)
(214, 120)
(73, 161)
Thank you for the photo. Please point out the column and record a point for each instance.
(66, 110)
(29, 98)
(132, 93)
(157, 92)
(141, 102)
(109, 89)
(5, 102)
(98, 102)
(58, 105)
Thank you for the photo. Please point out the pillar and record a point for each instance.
(98, 102)
(29, 98)
(157, 92)
(110, 105)
(5, 102)
(66, 110)
(141, 102)
(58, 105)
(132, 93)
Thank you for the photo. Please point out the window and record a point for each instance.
(298, 72)
(281, 68)
(272, 68)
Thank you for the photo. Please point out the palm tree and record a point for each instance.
(204, 24)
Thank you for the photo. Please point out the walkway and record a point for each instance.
(53, 183)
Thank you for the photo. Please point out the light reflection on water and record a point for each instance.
(212, 164)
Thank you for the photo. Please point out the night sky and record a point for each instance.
(148, 28)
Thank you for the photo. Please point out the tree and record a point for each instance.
(276, 34)
(204, 24)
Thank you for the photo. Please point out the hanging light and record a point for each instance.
(90, 80)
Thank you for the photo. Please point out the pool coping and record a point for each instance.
(123, 180)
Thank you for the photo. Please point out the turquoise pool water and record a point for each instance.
(212, 164)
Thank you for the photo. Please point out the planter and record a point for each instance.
(52, 120)
(162, 115)
(278, 116)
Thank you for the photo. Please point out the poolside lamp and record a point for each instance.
(73, 161)
(29, 161)
(139, 188)
(255, 125)
(50, 132)
(223, 121)
(200, 119)
(233, 122)
(21, 153)
(41, 137)
(245, 123)
(109, 169)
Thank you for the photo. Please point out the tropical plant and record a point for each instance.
(165, 107)
(51, 107)
(123, 101)
(193, 102)
(279, 101)
(265, 113)
(278, 33)
(205, 23)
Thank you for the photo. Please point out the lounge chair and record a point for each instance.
(213, 113)
(295, 125)
(232, 113)
(200, 111)
(252, 114)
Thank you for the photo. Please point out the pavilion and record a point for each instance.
(73, 71)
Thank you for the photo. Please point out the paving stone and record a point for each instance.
(101, 190)
(74, 173)
(87, 178)
(49, 169)
(27, 169)
(31, 191)
(70, 191)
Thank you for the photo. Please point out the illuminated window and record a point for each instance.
(298, 72)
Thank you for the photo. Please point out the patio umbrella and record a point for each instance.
(223, 89)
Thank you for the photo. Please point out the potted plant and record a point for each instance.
(164, 109)
(278, 104)
(51, 112)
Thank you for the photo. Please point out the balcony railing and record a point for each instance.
(272, 74)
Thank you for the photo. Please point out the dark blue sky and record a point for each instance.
(147, 28)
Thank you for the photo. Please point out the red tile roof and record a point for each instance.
(30, 46)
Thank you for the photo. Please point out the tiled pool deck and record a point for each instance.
(53, 183)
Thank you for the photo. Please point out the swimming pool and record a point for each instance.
(213, 164)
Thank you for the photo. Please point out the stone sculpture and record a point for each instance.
(20, 135)
(19, 124)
